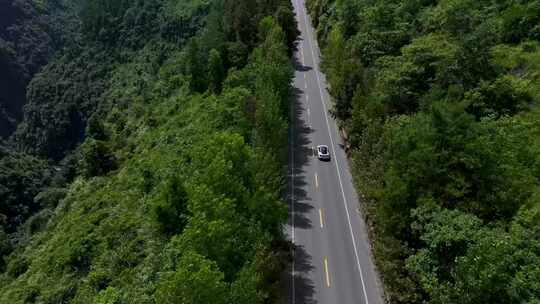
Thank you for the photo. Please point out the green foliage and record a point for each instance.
(170, 209)
(22, 177)
(60, 100)
(95, 128)
(30, 34)
(196, 280)
(138, 21)
(215, 71)
(176, 197)
(521, 21)
(440, 103)
(345, 73)
(5, 248)
(108, 296)
(447, 235)
(487, 260)
(96, 159)
(506, 95)
(194, 66)
(287, 21)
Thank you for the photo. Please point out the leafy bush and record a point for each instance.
(170, 209)
(96, 159)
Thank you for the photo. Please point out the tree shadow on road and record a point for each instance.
(304, 288)
(302, 157)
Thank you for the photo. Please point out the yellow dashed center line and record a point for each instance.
(327, 272)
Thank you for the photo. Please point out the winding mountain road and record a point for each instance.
(332, 261)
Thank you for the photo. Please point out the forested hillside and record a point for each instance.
(440, 103)
(30, 34)
(148, 165)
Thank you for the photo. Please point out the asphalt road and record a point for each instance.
(332, 262)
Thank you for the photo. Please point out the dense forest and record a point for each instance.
(439, 100)
(147, 161)
(30, 34)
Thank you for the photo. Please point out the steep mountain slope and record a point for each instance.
(165, 129)
(30, 34)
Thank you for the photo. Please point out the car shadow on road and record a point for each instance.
(302, 68)
(299, 67)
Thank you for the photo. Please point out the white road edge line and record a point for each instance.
(303, 61)
(292, 207)
(292, 213)
(293, 292)
(336, 161)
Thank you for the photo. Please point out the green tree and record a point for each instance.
(95, 128)
(196, 280)
(170, 207)
(5, 248)
(521, 21)
(347, 14)
(504, 96)
(22, 177)
(287, 21)
(108, 296)
(216, 72)
(195, 67)
(345, 73)
(96, 158)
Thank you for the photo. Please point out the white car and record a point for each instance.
(323, 153)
